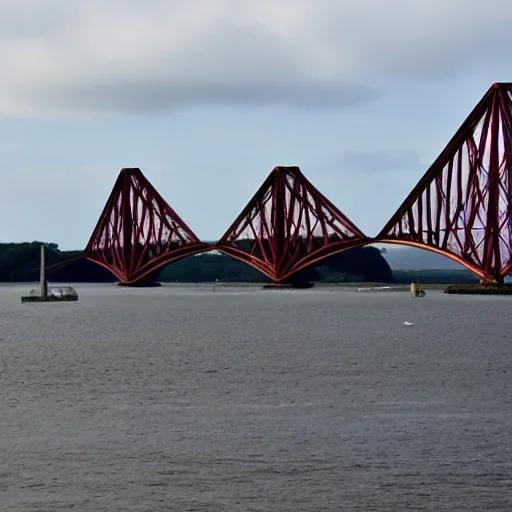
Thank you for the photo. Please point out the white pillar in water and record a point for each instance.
(42, 274)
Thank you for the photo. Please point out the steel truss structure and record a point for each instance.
(288, 225)
(138, 232)
(461, 207)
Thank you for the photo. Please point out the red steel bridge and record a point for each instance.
(461, 208)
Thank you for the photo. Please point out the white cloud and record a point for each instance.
(62, 57)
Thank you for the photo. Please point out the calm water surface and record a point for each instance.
(178, 399)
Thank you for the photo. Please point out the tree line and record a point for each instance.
(19, 262)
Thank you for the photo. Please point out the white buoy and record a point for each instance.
(407, 323)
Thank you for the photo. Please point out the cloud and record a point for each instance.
(380, 161)
(139, 96)
(61, 57)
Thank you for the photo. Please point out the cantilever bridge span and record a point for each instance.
(461, 208)
(138, 232)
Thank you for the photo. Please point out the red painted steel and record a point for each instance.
(462, 205)
(138, 232)
(287, 226)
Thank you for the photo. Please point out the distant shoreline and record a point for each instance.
(19, 263)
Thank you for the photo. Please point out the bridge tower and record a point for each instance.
(287, 226)
(138, 233)
(462, 206)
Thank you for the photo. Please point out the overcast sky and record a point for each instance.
(207, 96)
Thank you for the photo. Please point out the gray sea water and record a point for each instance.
(179, 399)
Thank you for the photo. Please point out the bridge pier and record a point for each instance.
(150, 281)
(140, 284)
(289, 285)
(486, 286)
(490, 281)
